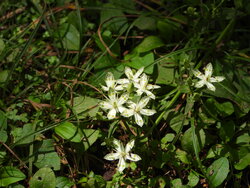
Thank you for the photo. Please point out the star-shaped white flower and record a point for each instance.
(137, 109)
(114, 104)
(111, 83)
(143, 87)
(122, 154)
(207, 79)
(131, 78)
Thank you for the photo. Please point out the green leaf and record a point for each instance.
(43, 178)
(70, 37)
(193, 179)
(167, 138)
(226, 130)
(9, 175)
(63, 182)
(218, 171)
(145, 23)
(46, 155)
(21, 134)
(182, 156)
(3, 120)
(68, 131)
(89, 137)
(4, 75)
(85, 106)
(176, 122)
(3, 136)
(117, 22)
(187, 141)
(165, 75)
(243, 163)
(2, 46)
(142, 61)
(149, 43)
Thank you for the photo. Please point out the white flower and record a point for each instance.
(143, 87)
(131, 78)
(122, 154)
(207, 79)
(114, 104)
(111, 83)
(137, 110)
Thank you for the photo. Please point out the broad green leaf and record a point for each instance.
(69, 131)
(9, 175)
(226, 130)
(187, 140)
(21, 134)
(43, 178)
(218, 171)
(193, 179)
(243, 163)
(3, 136)
(70, 36)
(113, 45)
(85, 106)
(182, 156)
(4, 75)
(142, 61)
(45, 155)
(165, 75)
(89, 137)
(3, 120)
(63, 182)
(117, 22)
(214, 151)
(2, 156)
(176, 122)
(149, 43)
(167, 138)
(145, 23)
(2, 45)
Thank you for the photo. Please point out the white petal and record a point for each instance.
(139, 92)
(112, 96)
(210, 86)
(129, 73)
(111, 114)
(143, 102)
(131, 104)
(105, 105)
(118, 146)
(199, 84)
(121, 164)
(129, 146)
(150, 86)
(110, 81)
(138, 119)
(144, 81)
(123, 81)
(128, 112)
(208, 70)
(198, 74)
(105, 88)
(133, 157)
(123, 99)
(138, 73)
(150, 94)
(147, 112)
(121, 109)
(119, 87)
(112, 156)
(217, 79)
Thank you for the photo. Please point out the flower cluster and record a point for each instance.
(122, 154)
(121, 92)
(207, 79)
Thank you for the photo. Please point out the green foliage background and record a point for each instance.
(54, 56)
